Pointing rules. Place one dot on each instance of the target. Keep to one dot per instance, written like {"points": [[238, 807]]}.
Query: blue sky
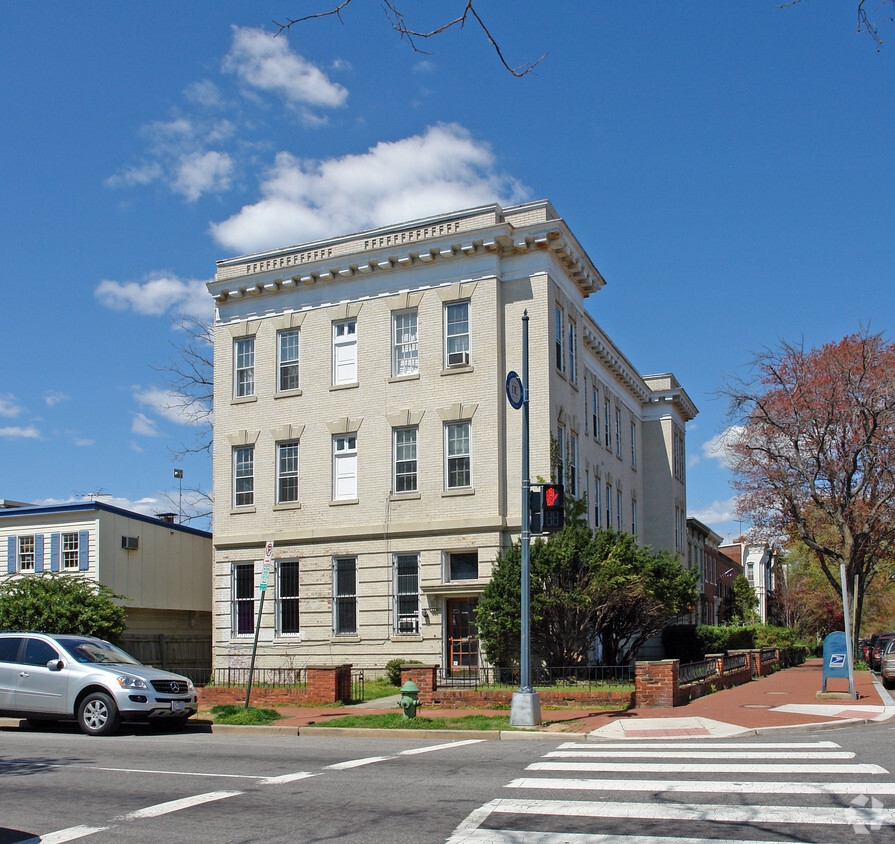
{"points": [[728, 167]]}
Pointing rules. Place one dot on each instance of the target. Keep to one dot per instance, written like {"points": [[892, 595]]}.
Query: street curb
{"points": [[369, 732], [248, 729]]}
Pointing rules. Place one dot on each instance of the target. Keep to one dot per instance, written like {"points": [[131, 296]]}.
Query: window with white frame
{"points": [[633, 446], [344, 467], [243, 476], [461, 565], [287, 360], [457, 455], [607, 426], [456, 334], [573, 464], [26, 553], [618, 432], [634, 515], [608, 505], [345, 352], [287, 472], [560, 455], [598, 516], [70, 548], [618, 509], [406, 612], [405, 477], [287, 598], [243, 367], [405, 344], [344, 596], [558, 334], [573, 342], [595, 412], [243, 600]]}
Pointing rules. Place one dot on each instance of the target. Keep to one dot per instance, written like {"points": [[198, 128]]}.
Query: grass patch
{"points": [[378, 688], [231, 713], [396, 720]]}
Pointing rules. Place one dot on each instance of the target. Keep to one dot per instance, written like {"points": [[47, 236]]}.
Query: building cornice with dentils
{"points": [[488, 229]]}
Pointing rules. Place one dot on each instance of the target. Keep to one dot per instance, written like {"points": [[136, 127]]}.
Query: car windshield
{"points": [[92, 650]]}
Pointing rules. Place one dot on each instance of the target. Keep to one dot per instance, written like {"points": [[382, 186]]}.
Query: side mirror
{"points": [[55, 665]]}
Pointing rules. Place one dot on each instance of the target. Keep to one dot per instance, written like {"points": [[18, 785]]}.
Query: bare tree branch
{"points": [[397, 20]]}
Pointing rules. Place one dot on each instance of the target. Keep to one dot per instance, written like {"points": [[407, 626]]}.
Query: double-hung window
{"points": [[595, 412], [287, 360], [243, 367], [244, 476], [405, 344], [26, 553], [573, 342], [607, 426], [618, 508], [558, 333], [597, 514], [243, 605], [70, 547], [560, 455], [634, 516], [344, 596], [573, 465], [608, 506], [344, 467], [345, 352], [287, 473], [457, 456], [405, 460], [633, 446], [618, 432], [456, 334], [287, 597], [407, 595]]}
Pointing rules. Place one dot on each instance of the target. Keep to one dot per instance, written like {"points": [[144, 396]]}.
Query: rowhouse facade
{"points": [[362, 426]]}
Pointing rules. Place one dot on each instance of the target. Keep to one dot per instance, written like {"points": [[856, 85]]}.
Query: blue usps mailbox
{"points": [[835, 657]]}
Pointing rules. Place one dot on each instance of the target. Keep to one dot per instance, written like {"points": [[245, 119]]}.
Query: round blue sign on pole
{"points": [[514, 390]]}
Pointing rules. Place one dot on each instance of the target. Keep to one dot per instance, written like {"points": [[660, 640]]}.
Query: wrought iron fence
{"points": [[768, 654], [273, 677], [732, 662], [692, 672], [357, 685], [576, 676]]}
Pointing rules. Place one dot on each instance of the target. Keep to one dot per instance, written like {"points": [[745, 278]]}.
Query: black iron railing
{"points": [[357, 685], [733, 662], [573, 677], [273, 677], [692, 672]]}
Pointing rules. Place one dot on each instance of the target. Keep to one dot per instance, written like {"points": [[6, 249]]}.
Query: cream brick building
{"points": [[361, 424]]}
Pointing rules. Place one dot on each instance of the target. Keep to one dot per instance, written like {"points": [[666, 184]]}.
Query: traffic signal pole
{"points": [[525, 708]]}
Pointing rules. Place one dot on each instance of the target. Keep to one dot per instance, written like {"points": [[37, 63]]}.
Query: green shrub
{"points": [[393, 669], [715, 639]]}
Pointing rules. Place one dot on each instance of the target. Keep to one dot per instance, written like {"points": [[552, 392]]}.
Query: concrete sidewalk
{"points": [[784, 700]]}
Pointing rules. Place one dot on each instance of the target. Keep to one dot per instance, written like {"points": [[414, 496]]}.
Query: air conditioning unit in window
{"points": [[130, 543], [458, 359]]}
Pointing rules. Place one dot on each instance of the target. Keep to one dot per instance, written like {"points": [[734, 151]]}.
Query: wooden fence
{"points": [[185, 654]]}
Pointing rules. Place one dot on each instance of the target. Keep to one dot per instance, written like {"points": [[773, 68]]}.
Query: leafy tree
{"points": [[813, 452], [740, 603], [60, 603], [585, 586]]}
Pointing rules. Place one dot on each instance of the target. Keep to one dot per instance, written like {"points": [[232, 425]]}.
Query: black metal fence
{"points": [[732, 662], [576, 676], [272, 677], [692, 672], [357, 685]]}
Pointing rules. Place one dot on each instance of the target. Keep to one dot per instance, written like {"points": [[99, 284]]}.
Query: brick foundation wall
{"points": [[325, 684]]}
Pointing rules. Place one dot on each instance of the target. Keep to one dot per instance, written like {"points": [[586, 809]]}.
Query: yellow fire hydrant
{"points": [[409, 703]]}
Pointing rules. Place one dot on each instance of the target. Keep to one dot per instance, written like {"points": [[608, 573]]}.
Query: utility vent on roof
{"points": [[130, 543]]}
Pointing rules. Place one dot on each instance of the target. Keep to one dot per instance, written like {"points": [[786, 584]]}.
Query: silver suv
{"points": [[52, 677]]}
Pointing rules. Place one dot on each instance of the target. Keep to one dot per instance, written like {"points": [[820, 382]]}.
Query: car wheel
{"points": [[98, 714]]}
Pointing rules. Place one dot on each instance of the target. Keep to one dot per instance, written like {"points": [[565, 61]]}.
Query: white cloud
{"points": [[158, 295], [440, 170], [167, 404], [17, 432], [717, 513], [138, 174], [204, 93], [144, 426], [9, 405], [718, 447], [203, 172], [83, 442], [54, 397], [268, 64]]}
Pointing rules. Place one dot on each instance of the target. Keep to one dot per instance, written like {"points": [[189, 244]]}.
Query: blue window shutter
{"points": [[11, 555], [83, 550], [39, 552], [54, 551]]}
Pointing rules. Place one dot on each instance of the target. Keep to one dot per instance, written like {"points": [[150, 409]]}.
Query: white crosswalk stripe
{"points": [[647, 797]]}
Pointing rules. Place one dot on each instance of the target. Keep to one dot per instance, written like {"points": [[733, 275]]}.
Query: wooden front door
{"points": [[463, 636]]}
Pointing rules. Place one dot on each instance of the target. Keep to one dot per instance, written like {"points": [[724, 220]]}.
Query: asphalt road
{"points": [[58, 785]]}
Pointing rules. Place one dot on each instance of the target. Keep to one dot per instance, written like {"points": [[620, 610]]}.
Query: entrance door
{"points": [[463, 637]]}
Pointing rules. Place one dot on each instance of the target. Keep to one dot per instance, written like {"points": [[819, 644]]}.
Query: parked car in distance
{"points": [[47, 677], [887, 665], [864, 650], [877, 650]]}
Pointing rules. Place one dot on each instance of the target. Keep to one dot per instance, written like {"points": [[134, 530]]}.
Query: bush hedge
{"points": [[691, 642]]}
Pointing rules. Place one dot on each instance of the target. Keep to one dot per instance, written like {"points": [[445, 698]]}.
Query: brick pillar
{"points": [[329, 683], [425, 677], [657, 684]]}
